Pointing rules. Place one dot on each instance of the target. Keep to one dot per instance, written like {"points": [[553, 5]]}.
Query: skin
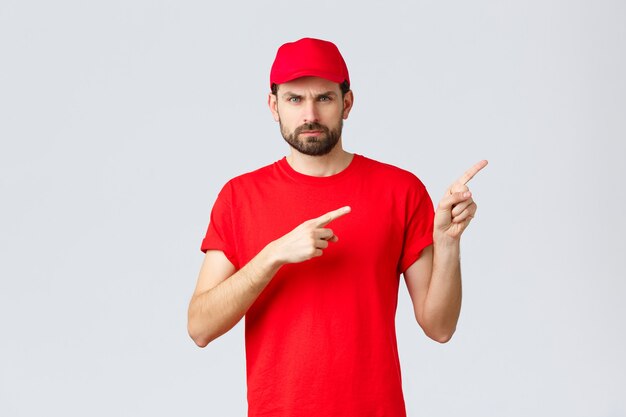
{"points": [[312, 99], [434, 280], [223, 295]]}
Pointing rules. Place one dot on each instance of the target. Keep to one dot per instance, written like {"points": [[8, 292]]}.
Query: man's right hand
{"points": [[308, 240], [223, 295]]}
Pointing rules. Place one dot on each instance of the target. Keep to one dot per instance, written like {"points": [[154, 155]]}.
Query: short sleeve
{"points": [[220, 232], [418, 232]]}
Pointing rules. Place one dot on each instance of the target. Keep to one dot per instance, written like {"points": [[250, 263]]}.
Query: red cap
{"points": [[308, 57]]}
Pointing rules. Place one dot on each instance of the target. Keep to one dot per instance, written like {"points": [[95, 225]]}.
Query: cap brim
{"points": [[310, 73]]}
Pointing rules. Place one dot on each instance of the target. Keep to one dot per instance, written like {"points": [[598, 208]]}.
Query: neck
{"points": [[320, 166]]}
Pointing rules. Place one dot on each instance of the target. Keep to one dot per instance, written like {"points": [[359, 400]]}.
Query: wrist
{"points": [[262, 268], [446, 251], [444, 241], [271, 256]]}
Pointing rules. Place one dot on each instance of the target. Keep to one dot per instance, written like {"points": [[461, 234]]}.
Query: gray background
{"points": [[121, 120]]}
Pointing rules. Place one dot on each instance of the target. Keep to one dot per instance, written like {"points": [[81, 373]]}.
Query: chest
{"points": [[373, 229]]}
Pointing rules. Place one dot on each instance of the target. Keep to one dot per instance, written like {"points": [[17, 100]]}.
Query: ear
{"points": [[348, 101], [272, 102]]}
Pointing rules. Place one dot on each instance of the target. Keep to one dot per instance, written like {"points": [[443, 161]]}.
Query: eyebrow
{"points": [[289, 94], [292, 94]]}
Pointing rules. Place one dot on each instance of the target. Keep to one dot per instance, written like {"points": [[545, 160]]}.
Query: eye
{"points": [[324, 98], [294, 99]]}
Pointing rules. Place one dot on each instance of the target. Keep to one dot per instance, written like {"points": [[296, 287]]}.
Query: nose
{"points": [[310, 112]]}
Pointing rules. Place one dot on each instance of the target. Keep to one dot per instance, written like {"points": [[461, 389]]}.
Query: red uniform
{"points": [[320, 338]]}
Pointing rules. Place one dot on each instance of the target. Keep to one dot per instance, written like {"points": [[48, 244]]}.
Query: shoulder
{"points": [[258, 175], [392, 175]]}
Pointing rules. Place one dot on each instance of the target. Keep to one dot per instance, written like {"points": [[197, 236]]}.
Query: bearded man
{"points": [[311, 248]]}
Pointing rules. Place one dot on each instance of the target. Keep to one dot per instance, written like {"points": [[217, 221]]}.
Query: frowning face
{"points": [[310, 111]]}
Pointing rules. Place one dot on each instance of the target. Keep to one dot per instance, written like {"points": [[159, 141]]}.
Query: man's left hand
{"points": [[457, 207]]}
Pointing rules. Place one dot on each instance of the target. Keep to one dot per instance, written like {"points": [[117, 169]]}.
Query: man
{"points": [[310, 249]]}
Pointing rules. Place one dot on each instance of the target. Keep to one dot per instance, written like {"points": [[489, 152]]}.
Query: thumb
{"points": [[447, 203]]}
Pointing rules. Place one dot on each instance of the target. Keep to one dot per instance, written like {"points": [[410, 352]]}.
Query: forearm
{"points": [[217, 310], [443, 301]]}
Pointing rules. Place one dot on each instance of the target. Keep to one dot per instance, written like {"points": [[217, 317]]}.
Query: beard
{"points": [[313, 145]]}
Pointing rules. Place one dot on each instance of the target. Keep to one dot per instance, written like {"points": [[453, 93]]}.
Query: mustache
{"points": [[311, 126]]}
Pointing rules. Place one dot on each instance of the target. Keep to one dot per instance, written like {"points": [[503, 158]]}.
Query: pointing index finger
{"points": [[469, 174], [324, 219]]}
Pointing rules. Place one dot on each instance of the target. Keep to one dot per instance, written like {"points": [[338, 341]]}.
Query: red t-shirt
{"points": [[321, 338]]}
